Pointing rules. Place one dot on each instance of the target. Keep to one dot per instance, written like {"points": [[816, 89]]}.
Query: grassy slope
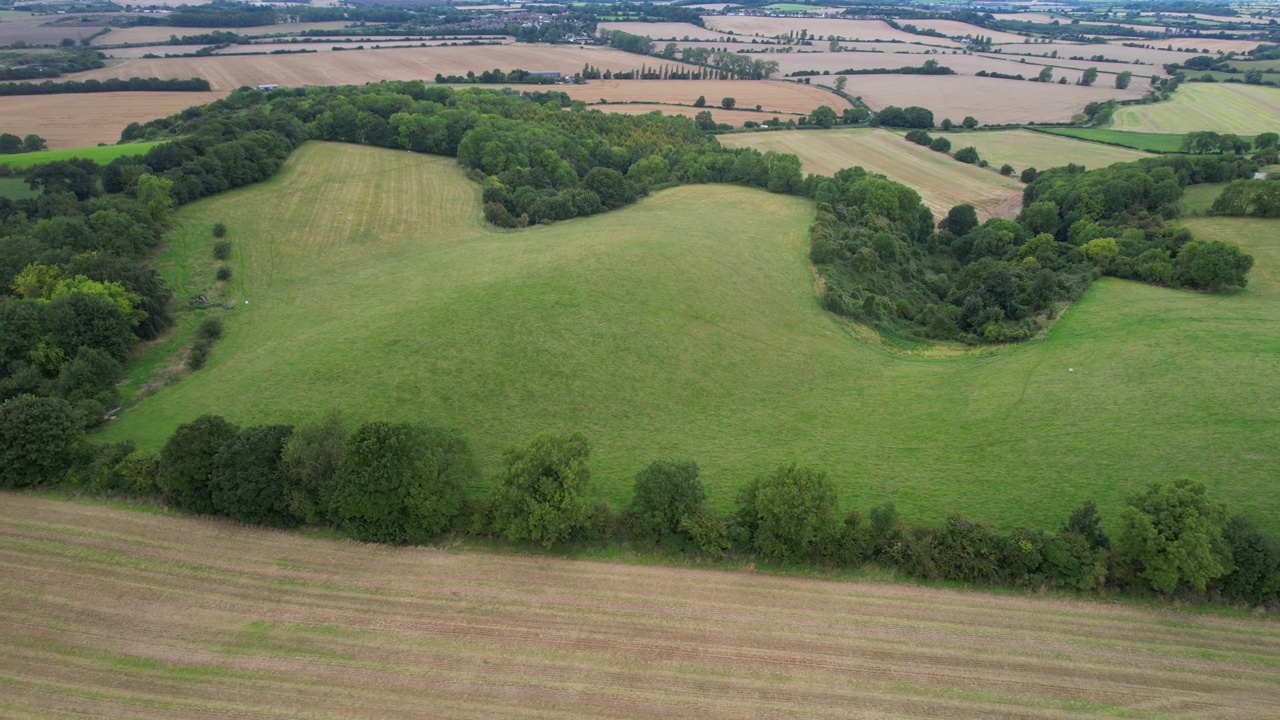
{"points": [[1154, 142], [1225, 108], [688, 327], [101, 154]]}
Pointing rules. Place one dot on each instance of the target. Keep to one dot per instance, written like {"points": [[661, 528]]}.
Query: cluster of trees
{"points": [[943, 145], [11, 144], [930, 67], [1204, 142], [495, 75], [908, 117], [407, 483], [108, 85], [44, 63], [1258, 198]]}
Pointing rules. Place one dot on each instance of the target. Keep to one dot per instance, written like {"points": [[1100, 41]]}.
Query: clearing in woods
{"points": [[1221, 107], [112, 612], [75, 120], [1024, 149], [357, 67], [688, 326], [941, 181]]}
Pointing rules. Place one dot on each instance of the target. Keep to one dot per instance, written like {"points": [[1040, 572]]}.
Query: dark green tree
{"points": [[728, 103], [1171, 537], [543, 488], [38, 437], [309, 463], [961, 220], [1212, 265], [790, 513], [665, 494], [1123, 79], [969, 122], [1088, 77], [187, 462], [247, 483], [1256, 557]]}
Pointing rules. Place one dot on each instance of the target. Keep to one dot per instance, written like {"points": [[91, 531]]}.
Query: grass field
{"points": [[1225, 108], [114, 613], [75, 120], [1023, 149], [688, 326], [16, 189], [1153, 142], [941, 181], [101, 154], [1198, 199]]}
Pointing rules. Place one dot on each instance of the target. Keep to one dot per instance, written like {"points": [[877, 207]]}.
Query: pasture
{"points": [[357, 67], [990, 100], [115, 613], [1024, 148], [1225, 108], [941, 181], [688, 326], [74, 120], [771, 95], [1152, 142], [101, 154]]}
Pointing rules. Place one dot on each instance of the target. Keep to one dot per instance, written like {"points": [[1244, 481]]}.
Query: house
{"points": [[268, 87]]}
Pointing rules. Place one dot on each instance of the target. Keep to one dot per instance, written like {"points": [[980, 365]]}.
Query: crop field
{"points": [[663, 30], [1153, 142], [941, 181], [990, 100], [75, 120], [771, 95], [951, 28], [688, 326], [820, 27], [733, 117], [357, 67], [161, 33], [1213, 45], [1024, 149], [109, 612], [1234, 108], [961, 64], [1127, 55], [45, 30], [101, 154]]}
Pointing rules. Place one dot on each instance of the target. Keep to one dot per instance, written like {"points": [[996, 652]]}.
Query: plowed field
{"points": [[114, 613]]}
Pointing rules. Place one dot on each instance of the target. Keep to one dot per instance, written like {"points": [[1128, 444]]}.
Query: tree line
{"points": [[407, 483], [109, 85]]}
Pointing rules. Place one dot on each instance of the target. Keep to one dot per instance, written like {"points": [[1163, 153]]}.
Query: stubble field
{"points": [[688, 327], [820, 27], [115, 613], [771, 95], [161, 33], [77, 120], [941, 181]]}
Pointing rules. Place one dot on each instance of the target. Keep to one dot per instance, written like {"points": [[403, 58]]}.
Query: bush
{"points": [[139, 470], [222, 250], [187, 462], [38, 438], [219, 231], [940, 144], [209, 329], [665, 493], [224, 273], [246, 483], [1028, 175], [967, 155], [541, 496], [1006, 169], [198, 355], [309, 464], [789, 513]]}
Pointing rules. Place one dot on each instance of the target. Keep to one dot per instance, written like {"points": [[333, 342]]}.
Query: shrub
{"points": [[541, 496], [222, 250], [665, 492], [1006, 169], [940, 144], [209, 329], [309, 464], [138, 471], [246, 483], [198, 355], [224, 273], [789, 513], [38, 436], [967, 155], [187, 461], [219, 230]]}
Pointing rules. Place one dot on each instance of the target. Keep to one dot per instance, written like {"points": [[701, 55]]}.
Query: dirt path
{"points": [[116, 613]]}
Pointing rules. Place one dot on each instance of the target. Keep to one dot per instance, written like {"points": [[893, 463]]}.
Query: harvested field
{"points": [[952, 28], [1114, 51], [77, 120], [1024, 148], [821, 27], [1212, 45], [961, 64], [990, 100], [663, 30], [161, 33], [114, 613], [720, 115], [771, 95], [357, 67], [1226, 108], [941, 181], [50, 30]]}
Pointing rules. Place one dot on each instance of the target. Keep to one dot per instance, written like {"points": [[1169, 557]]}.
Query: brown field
{"points": [[819, 48], [1213, 45], [1116, 51], [771, 95], [115, 613], [160, 33], [962, 64], [821, 27], [942, 182], [664, 30], [952, 28], [50, 30], [733, 117], [75, 120], [990, 100], [357, 67]]}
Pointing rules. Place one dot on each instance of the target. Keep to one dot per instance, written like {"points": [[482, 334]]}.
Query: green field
{"points": [[101, 154], [1221, 107], [1023, 149], [1151, 142], [16, 189], [1198, 199], [688, 326]]}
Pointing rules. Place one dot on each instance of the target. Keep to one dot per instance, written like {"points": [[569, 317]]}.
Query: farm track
{"points": [[110, 612]]}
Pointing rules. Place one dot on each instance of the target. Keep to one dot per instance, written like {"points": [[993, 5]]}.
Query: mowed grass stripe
{"points": [[336, 629], [688, 326]]}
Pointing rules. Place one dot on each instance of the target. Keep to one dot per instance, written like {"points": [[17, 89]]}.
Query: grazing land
{"points": [[941, 181], [990, 100], [357, 67], [109, 612], [771, 95], [687, 326], [1225, 108], [101, 154], [75, 120], [1024, 148], [1152, 142]]}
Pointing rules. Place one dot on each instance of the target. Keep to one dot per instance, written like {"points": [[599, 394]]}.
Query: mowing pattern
{"points": [[941, 181], [116, 613], [1225, 108]]}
